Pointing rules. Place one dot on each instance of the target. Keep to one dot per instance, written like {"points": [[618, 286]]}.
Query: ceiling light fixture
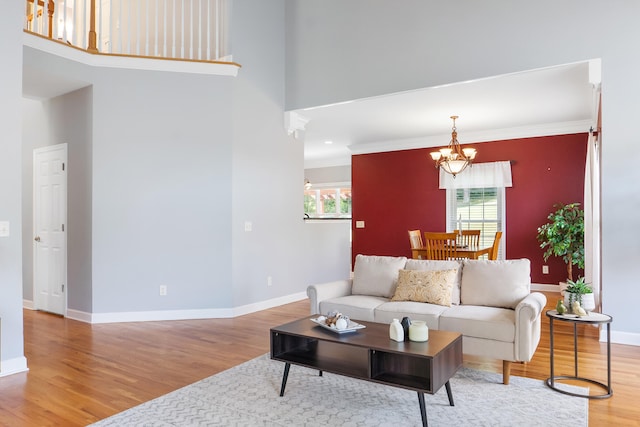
{"points": [[307, 184], [454, 159]]}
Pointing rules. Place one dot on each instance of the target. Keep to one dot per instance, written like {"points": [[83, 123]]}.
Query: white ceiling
{"points": [[547, 101]]}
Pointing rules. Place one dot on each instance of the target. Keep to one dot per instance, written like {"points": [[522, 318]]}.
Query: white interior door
{"points": [[49, 223]]}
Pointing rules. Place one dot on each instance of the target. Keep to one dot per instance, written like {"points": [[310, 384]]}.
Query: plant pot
{"points": [[587, 301], [563, 286]]}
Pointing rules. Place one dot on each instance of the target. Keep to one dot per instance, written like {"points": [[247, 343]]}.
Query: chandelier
{"points": [[453, 159]]}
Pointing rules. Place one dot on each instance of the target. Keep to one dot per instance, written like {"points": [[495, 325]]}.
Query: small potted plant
{"points": [[579, 291], [563, 236]]}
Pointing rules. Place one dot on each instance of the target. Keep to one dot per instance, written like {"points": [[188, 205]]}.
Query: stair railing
{"points": [[184, 29]]}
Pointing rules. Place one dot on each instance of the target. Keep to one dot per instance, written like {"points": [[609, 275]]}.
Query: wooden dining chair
{"points": [[496, 246], [440, 245], [417, 247], [470, 238]]}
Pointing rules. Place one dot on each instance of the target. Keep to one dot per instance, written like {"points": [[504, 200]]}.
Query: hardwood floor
{"points": [[80, 373]]}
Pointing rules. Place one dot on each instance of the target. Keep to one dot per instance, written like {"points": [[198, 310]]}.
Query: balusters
{"points": [[188, 29]]}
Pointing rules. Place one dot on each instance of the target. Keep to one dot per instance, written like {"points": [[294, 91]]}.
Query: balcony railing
{"points": [[193, 30]]}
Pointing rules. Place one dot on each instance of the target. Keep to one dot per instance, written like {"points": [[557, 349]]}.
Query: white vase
{"points": [[588, 301], [418, 331], [396, 332]]}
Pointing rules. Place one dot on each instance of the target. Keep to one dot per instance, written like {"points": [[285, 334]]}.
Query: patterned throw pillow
{"points": [[433, 287]]}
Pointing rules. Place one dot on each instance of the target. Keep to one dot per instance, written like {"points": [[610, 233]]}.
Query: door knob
{"points": [[37, 238]]}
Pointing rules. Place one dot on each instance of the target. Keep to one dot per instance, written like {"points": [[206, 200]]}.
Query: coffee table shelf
{"points": [[370, 355], [323, 356]]}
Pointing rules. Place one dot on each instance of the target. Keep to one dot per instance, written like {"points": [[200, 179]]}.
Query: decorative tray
{"points": [[351, 327]]}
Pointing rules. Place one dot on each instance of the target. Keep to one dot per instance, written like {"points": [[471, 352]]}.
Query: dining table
{"points": [[473, 252], [462, 251]]}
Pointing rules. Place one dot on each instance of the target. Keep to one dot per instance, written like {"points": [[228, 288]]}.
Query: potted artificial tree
{"points": [[563, 236]]}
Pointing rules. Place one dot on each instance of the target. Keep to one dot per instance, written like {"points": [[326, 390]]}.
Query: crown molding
{"points": [[342, 160], [549, 129]]}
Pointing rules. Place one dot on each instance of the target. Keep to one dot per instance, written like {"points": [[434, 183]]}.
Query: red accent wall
{"points": [[398, 191]]}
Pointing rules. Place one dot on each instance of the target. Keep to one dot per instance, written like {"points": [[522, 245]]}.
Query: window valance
{"points": [[479, 175]]}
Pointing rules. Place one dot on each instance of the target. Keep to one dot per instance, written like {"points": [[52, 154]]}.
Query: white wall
{"points": [[11, 335], [373, 47]]}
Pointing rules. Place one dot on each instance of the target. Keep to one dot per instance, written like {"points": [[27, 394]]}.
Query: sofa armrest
{"points": [[323, 291], [528, 323]]}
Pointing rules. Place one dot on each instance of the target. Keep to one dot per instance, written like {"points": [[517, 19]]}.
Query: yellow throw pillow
{"points": [[433, 287]]}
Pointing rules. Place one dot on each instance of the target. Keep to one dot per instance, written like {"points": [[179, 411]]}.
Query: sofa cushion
{"points": [[491, 323], [357, 307], [425, 286], [495, 283], [376, 275], [430, 313], [431, 265]]}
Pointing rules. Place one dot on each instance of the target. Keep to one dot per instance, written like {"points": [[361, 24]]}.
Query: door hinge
{"points": [[63, 166], [62, 227], [63, 287]]}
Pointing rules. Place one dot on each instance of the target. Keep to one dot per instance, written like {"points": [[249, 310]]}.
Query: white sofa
{"points": [[488, 302]]}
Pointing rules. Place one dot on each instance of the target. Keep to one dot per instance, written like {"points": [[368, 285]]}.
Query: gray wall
{"points": [[161, 191], [64, 119], [340, 50], [165, 169], [11, 344], [35, 133], [267, 164], [71, 122]]}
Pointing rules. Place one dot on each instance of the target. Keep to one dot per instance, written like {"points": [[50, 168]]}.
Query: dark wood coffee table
{"points": [[368, 354]]}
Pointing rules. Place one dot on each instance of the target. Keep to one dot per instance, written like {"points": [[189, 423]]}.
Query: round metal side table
{"points": [[592, 318]]}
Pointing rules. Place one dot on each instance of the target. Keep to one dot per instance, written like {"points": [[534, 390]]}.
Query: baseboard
{"points": [[619, 337], [209, 313], [13, 366], [263, 305], [81, 316], [28, 304], [545, 287], [154, 316]]}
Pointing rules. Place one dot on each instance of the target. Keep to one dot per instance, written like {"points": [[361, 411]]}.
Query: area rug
{"points": [[248, 395]]}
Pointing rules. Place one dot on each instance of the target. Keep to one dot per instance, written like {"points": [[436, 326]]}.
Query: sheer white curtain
{"points": [[592, 272], [479, 175]]}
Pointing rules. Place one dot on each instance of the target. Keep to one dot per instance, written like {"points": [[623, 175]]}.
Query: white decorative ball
{"points": [[341, 323]]}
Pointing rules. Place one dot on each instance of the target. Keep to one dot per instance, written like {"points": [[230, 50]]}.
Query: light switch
{"points": [[247, 226], [359, 224], [4, 228]]}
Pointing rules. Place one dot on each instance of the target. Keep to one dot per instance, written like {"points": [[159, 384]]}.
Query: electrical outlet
{"points": [[269, 281], [545, 269], [4, 229], [163, 290]]}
